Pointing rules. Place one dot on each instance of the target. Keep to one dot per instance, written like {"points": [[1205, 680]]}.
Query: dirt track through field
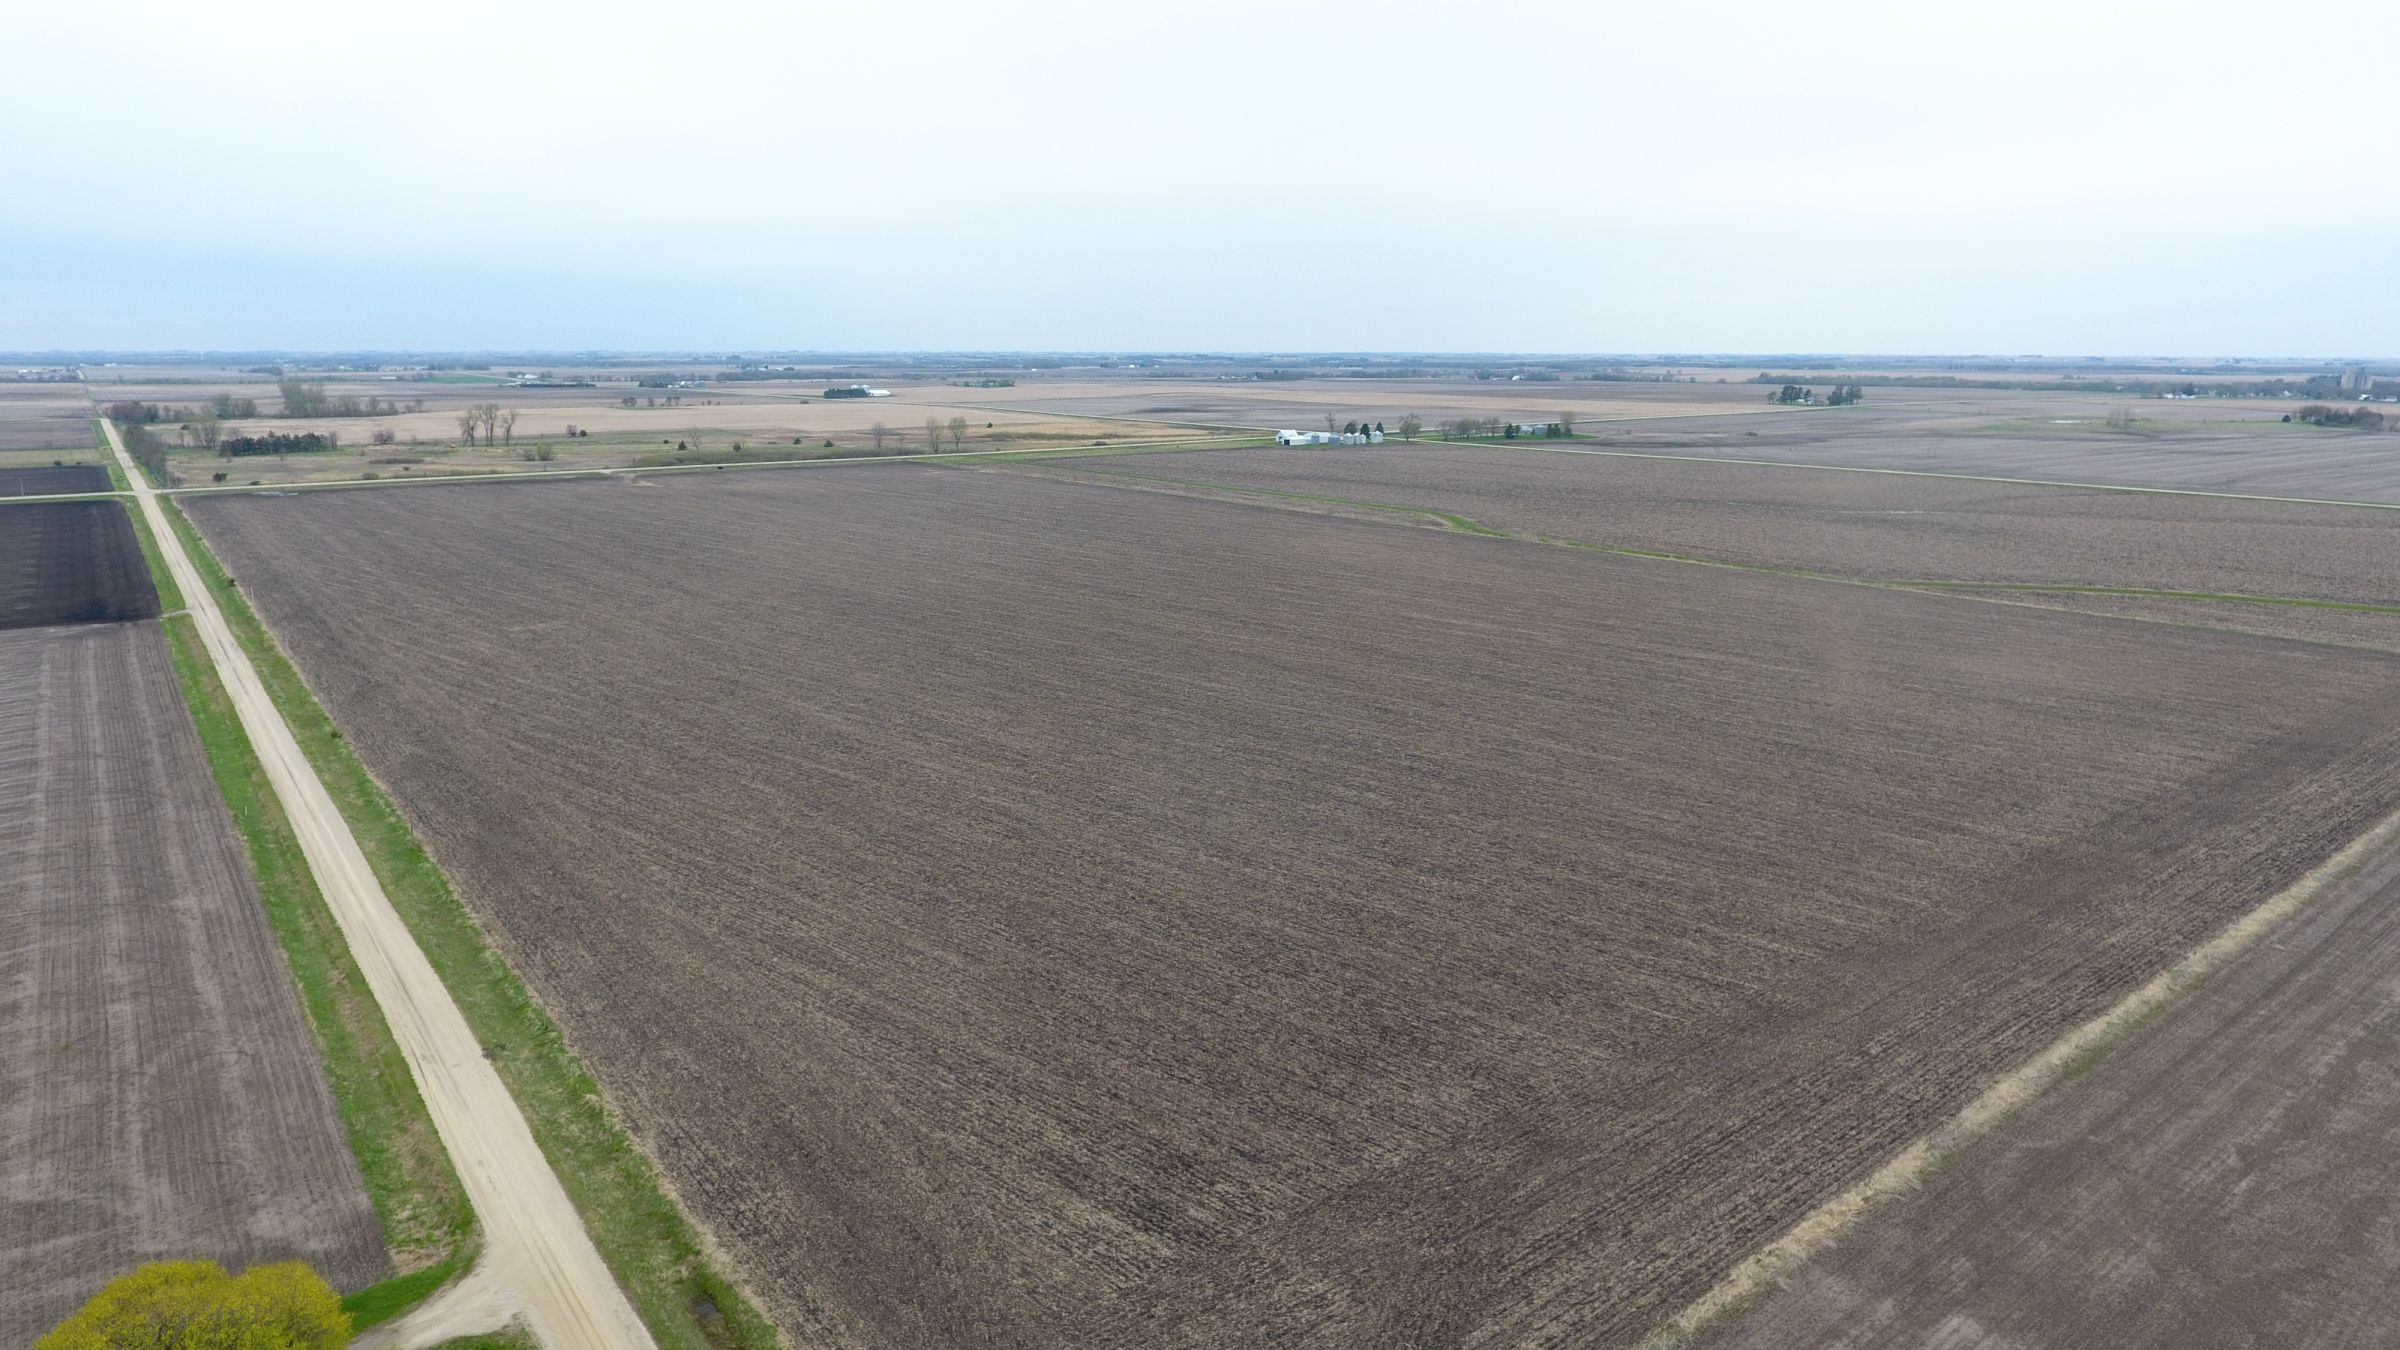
{"points": [[1024, 914], [534, 1243], [160, 1096], [2224, 1180]]}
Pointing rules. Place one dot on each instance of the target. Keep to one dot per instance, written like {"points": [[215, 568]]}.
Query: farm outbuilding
{"points": [[1329, 438]]}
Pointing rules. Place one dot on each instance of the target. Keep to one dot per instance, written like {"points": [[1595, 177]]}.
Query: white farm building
{"points": [[1328, 438]]}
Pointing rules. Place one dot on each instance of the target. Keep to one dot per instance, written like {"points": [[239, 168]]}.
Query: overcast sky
{"points": [[2091, 177]]}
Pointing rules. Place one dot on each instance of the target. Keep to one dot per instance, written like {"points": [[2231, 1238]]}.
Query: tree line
{"points": [[278, 443], [2325, 415], [307, 398]]}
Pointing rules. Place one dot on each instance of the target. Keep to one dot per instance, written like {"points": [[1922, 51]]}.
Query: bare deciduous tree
{"points": [[1566, 424], [878, 433], [466, 424], [933, 435], [508, 426], [958, 433], [1410, 426], [489, 415]]}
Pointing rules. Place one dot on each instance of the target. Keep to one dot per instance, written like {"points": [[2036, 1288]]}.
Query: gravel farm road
{"points": [[538, 1262]]}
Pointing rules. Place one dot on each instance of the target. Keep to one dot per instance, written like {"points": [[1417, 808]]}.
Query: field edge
{"points": [[2063, 1061], [428, 1227], [674, 1274]]}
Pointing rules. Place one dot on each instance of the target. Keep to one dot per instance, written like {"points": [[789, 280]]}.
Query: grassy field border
{"points": [[680, 1287], [427, 1223]]}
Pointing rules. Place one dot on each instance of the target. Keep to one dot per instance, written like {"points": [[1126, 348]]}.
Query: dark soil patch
{"points": [[71, 562], [53, 480]]}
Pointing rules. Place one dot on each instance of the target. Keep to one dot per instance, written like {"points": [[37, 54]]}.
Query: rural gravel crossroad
{"points": [[538, 1261]]}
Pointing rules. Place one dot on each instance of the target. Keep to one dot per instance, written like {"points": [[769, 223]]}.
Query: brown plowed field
{"points": [[160, 1096], [46, 480], [71, 562], [2234, 446], [1021, 913], [1852, 524], [2223, 1182]]}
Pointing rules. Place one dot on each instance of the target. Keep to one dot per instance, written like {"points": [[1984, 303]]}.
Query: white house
{"points": [[1329, 438]]}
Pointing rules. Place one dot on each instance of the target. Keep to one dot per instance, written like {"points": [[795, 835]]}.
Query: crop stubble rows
{"points": [[160, 1097], [48, 479], [70, 562], [1854, 524], [1019, 913], [2224, 1181]]}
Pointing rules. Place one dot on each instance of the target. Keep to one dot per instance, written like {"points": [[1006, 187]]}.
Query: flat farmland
{"points": [[2223, 1181], [1022, 913], [1864, 525], [160, 1097], [1304, 403], [2208, 445], [49, 479], [70, 562], [44, 416], [429, 442]]}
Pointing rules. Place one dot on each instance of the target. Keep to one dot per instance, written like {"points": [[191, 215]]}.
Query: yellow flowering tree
{"points": [[195, 1305]]}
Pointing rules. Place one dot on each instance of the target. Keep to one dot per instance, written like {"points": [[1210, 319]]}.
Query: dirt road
{"points": [[535, 1246]]}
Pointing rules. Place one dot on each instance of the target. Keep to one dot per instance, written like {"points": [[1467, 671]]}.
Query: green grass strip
{"points": [[170, 595], [652, 1249], [2155, 593], [422, 1209], [427, 1223]]}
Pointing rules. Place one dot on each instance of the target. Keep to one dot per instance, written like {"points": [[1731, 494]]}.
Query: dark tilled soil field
{"points": [[51, 479], [1869, 525], [2223, 1181], [160, 1096], [2229, 446], [1024, 913], [71, 562]]}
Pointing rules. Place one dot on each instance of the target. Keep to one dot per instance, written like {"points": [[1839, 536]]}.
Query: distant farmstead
{"points": [[1370, 437], [857, 391]]}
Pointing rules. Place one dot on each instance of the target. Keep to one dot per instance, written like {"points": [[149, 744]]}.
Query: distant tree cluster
{"points": [[2326, 415], [498, 423], [308, 398], [278, 443], [1842, 394]]}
